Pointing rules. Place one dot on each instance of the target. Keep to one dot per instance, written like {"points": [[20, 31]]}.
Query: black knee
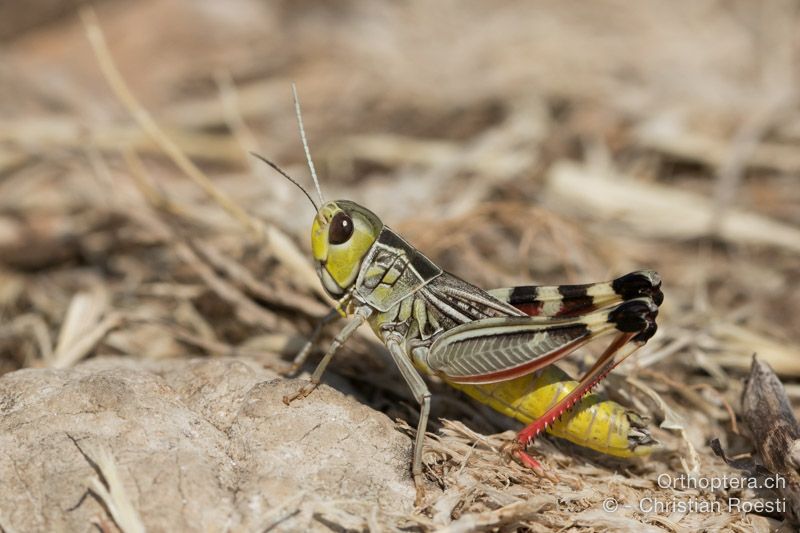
{"points": [[636, 316]]}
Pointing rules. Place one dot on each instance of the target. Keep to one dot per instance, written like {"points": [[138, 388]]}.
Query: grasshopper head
{"points": [[342, 234]]}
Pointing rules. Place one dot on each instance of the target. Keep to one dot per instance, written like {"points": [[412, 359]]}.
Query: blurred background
{"points": [[513, 142]]}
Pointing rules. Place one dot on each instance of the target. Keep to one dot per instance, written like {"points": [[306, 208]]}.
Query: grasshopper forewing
{"points": [[435, 323]]}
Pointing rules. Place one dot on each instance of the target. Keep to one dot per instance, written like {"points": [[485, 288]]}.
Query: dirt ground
{"points": [[512, 142]]}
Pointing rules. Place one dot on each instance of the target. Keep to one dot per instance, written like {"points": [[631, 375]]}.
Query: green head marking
{"points": [[341, 235]]}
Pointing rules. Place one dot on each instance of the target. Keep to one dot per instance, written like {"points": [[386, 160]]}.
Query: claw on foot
{"points": [[516, 451], [301, 393]]}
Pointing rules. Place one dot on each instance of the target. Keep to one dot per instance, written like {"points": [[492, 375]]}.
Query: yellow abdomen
{"points": [[601, 425]]}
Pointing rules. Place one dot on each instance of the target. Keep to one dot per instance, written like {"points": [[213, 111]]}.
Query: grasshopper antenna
{"points": [[305, 143], [280, 171]]}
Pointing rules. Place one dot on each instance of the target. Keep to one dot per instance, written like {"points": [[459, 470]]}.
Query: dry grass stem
{"points": [[86, 323], [108, 486], [282, 246], [149, 125], [662, 211]]}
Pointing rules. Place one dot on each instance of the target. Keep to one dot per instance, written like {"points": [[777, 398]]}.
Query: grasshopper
{"points": [[493, 344]]}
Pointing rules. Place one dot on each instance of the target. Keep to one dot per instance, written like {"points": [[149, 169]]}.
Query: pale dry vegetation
{"points": [[512, 142]]}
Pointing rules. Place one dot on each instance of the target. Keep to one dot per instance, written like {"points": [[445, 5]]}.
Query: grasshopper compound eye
{"points": [[341, 228]]}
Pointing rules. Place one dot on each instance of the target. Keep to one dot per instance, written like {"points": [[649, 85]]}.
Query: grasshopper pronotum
{"points": [[486, 343]]}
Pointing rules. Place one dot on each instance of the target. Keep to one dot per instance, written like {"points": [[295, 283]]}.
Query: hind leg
{"points": [[635, 322]]}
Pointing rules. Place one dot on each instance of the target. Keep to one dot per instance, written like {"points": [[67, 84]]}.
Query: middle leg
{"points": [[423, 396]]}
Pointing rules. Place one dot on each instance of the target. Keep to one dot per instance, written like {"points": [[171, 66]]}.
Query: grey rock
{"points": [[199, 445]]}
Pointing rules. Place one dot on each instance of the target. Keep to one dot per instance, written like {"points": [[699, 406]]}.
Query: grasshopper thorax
{"points": [[342, 234]]}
